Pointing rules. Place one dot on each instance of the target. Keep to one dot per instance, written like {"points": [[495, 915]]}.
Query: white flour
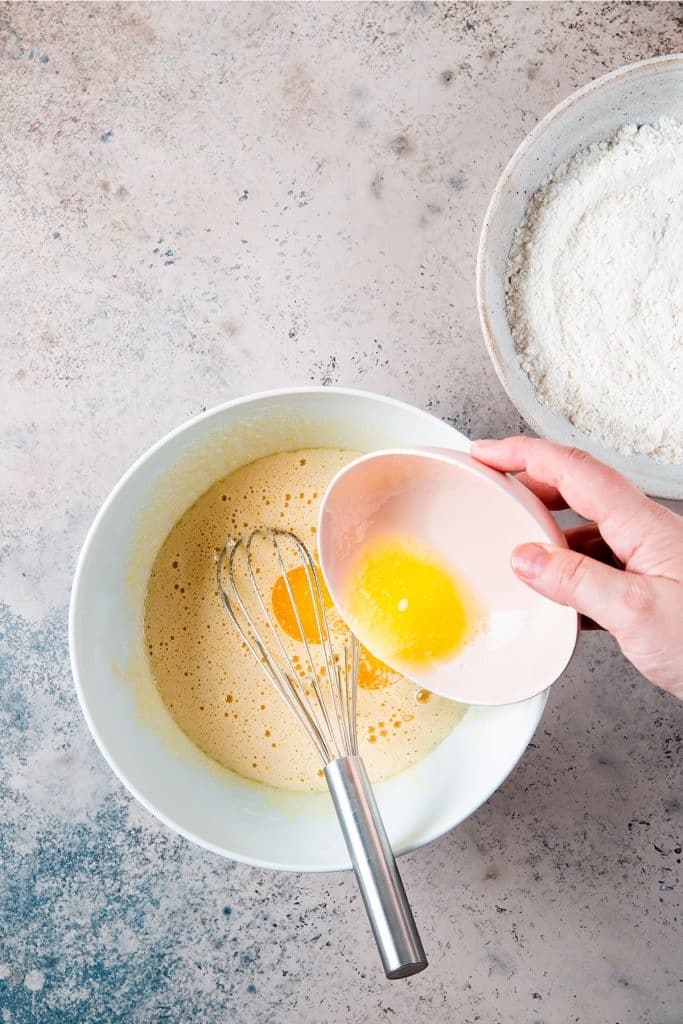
{"points": [[595, 290]]}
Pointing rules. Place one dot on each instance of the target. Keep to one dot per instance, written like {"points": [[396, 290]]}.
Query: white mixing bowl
{"points": [[150, 754]]}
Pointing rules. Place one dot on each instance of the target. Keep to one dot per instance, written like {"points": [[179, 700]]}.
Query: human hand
{"points": [[641, 604]]}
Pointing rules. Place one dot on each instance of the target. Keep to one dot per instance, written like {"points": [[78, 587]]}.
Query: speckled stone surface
{"points": [[197, 201]]}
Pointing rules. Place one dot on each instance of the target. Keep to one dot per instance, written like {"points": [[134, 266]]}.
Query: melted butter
{"points": [[412, 608], [298, 607]]}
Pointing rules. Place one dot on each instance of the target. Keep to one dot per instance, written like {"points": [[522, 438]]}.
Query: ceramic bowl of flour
{"points": [[640, 94]]}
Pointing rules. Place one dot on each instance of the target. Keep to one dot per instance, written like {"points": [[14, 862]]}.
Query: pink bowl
{"points": [[473, 517]]}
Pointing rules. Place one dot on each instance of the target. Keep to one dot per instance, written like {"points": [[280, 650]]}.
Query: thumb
{"points": [[567, 577]]}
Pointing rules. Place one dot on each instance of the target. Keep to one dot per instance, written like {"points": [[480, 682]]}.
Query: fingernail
{"points": [[484, 444], [529, 560]]}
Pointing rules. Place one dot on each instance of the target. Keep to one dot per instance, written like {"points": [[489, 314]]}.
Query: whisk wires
{"points": [[326, 712]]}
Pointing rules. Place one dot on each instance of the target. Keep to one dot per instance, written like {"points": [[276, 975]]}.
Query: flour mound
{"points": [[595, 290]]}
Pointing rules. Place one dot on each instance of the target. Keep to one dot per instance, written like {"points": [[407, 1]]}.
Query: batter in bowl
{"points": [[208, 680]]}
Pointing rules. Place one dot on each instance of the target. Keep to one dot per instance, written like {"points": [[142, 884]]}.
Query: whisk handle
{"points": [[380, 884]]}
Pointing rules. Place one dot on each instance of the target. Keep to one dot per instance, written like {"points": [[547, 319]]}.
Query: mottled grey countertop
{"points": [[201, 200]]}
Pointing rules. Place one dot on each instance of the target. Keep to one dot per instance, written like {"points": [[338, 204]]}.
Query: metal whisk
{"points": [[322, 692]]}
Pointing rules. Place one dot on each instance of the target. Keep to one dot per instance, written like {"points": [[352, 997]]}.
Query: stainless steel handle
{"points": [[380, 884]]}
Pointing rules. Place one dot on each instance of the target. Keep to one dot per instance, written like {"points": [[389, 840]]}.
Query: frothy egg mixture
{"points": [[210, 682]]}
